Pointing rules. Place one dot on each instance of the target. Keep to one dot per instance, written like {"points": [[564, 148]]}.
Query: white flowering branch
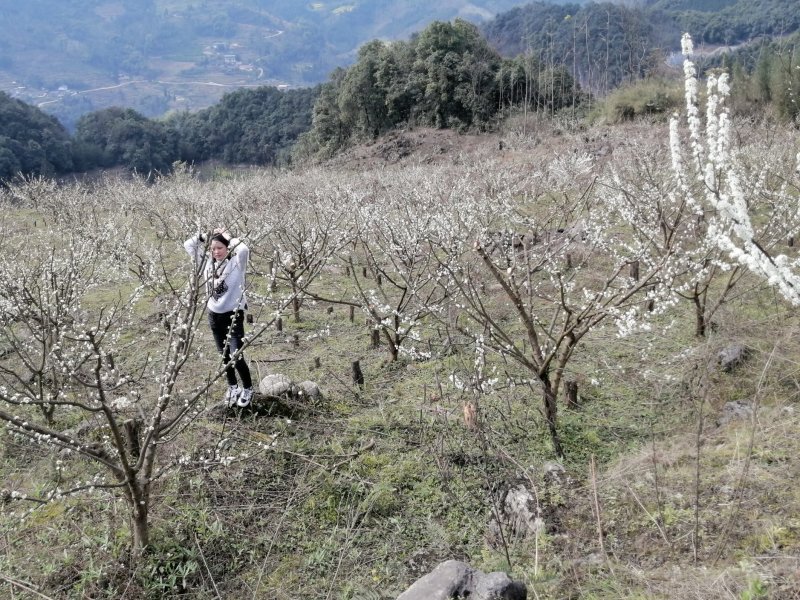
{"points": [[725, 196]]}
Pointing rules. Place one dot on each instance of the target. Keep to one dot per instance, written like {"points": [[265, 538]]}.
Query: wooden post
{"points": [[379, 279], [296, 340], [376, 338], [635, 270], [571, 392], [352, 313], [358, 376], [790, 242], [347, 271], [364, 271], [470, 416], [317, 362], [569, 260], [279, 324], [249, 318]]}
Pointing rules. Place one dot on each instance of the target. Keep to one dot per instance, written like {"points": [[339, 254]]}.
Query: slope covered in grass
{"points": [[677, 479]]}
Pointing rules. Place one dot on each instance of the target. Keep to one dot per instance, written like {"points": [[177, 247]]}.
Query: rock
{"points": [[554, 471], [276, 385], [309, 389], [520, 517], [735, 411], [520, 510], [732, 356], [456, 579], [451, 578], [499, 586]]}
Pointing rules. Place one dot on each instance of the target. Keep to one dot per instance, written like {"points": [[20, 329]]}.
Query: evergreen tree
{"points": [[31, 142]]}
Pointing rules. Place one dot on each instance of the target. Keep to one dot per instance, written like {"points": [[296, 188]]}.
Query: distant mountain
{"points": [[608, 43], [71, 57]]}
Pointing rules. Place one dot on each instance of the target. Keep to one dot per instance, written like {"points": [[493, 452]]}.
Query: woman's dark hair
{"points": [[218, 237]]}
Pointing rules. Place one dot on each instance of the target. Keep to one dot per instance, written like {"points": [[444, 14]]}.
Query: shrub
{"points": [[643, 98]]}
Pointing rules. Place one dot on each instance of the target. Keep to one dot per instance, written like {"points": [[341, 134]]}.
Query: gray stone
{"points": [[499, 586], [732, 356], [275, 385], [735, 411], [455, 579], [554, 471], [520, 510], [451, 578], [309, 389], [520, 514]]}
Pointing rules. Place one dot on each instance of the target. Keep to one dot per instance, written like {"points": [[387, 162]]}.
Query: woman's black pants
{"points": [[228, 330]]}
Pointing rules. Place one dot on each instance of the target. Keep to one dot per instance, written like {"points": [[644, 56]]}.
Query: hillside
{"points": [[161, 55]]}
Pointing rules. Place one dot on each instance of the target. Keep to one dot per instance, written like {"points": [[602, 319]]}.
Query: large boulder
{"points": [[455, 579], [275, 386], [281, 386]]}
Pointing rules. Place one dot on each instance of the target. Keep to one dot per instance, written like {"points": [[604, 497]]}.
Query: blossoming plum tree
{"points": [[747, 199], [75, 316], [537, 264]]}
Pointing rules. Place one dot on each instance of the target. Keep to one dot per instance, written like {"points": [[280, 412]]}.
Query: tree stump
{"points": [[571, 393], [358, 376], [635, 270]]}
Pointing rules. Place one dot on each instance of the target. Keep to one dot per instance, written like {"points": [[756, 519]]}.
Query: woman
{"points": [[224, 270]]}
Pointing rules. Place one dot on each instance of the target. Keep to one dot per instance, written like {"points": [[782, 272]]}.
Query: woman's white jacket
{"points": [[225, 280]]}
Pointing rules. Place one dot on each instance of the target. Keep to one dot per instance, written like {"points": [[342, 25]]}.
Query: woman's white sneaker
{"points": [[232, 395], [245, 396]]}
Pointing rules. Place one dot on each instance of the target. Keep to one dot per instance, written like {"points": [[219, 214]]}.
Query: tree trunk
{"points": [[551, 414], [699, 317], [140, 530], [295, 304]]}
